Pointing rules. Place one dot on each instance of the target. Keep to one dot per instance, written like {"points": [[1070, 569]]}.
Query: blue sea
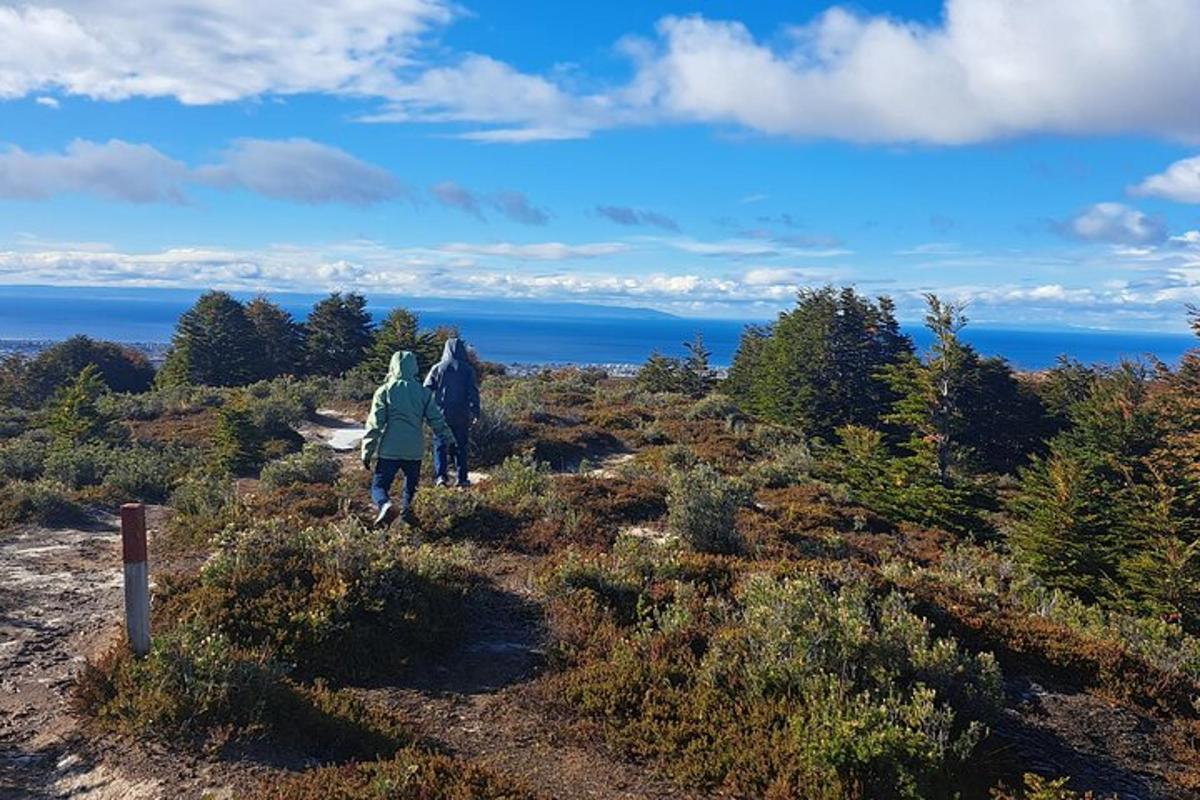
{"points": [[531, 333]]}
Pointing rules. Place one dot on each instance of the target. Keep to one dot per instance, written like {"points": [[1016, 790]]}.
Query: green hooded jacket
{"points": [[398, 409]]}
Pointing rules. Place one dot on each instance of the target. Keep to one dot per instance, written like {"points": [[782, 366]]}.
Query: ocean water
{"points": [[533, 333]]}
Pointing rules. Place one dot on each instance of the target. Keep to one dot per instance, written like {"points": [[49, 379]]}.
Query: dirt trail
{"points": [[484, 701]]}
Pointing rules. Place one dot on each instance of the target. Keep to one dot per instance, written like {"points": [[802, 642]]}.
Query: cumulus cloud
{"points": [[624, 215], [302, 171], [48, 102], [1180, 182], [209, 51], [117, 170], [1115, 223], [988, 70], [538, 251], [298, 170]]}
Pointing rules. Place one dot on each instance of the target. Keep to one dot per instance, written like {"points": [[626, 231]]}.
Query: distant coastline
{"points": [[526, 335]]}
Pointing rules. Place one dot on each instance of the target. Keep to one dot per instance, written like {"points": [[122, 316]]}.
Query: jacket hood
{"points": [[454, 350], [403, 367]]}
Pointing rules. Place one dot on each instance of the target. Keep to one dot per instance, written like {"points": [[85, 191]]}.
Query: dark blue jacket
{"points": [[452, 381]]}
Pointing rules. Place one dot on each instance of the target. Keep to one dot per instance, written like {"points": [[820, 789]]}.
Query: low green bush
{"points": [[702, 510], [195, 684], [335, 601], [442, 511], [809, 685], [714, 406], [23, 459], [201, 494], [493, 436], [44, 502], [522, 483], [314, 464]]}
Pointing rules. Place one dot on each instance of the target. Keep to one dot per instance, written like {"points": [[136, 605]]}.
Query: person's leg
{"points": [[441, 459], [381, 480], [461, 431], [412, 476]]}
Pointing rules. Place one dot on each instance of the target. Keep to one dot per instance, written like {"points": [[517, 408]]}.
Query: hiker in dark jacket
{"points": [[453, 383], [393, 436]]}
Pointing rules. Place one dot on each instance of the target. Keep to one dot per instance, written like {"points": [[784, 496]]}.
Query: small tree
{"points": [[702, 510], [337, 334], [237, 442], [660, 373], [75, 418], [695, 373]]}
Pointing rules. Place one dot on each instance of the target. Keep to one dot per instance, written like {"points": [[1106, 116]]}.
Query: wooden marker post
{"points": [[137, 577]]}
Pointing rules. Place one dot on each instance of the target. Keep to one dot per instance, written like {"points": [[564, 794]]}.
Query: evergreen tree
{"points": [[278, 340], [337, 334], [75, 418], [400, 330], [695, 373], [1080, 513], [660, 373], [747, 360], [819, 368], [214, 344], [121, 369]]}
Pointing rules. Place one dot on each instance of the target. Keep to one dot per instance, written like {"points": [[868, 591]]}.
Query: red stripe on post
{"points": [[133, 533]]}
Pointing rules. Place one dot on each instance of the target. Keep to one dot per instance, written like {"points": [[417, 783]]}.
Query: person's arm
{"points": [[431, 380], [433, 415], [473, 394], [376, 423]]}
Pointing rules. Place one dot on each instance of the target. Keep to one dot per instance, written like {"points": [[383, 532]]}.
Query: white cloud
{"points": [[48, 102], [117, 170], [539, 251], [298, 170], [1116, 223], [302, 171], [209, 51], [989, 70], [1180, 182]]}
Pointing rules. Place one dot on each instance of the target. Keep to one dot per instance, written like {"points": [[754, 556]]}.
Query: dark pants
{"points": [[443, 449], [385, 474]]}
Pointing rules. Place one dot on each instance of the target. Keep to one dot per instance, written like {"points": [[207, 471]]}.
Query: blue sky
{"points": [[1038, 160]]}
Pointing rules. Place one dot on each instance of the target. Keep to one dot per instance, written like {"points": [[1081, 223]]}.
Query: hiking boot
{"points": [[387, 513], [410, 519], [465, 484], [440, 482]]}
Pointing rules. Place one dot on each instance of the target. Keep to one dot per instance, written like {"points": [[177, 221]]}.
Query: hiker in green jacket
{"points": [[393, 434]]}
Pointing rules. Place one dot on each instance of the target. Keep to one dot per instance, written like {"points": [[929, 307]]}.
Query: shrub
{"points": [[788, 465], [78, 466], [714, 406], [43, 501], [801, 686], [333, 600], [702, 510], [201, 495], [192, 679], [195, 681], [314, 464], [23, 459], [442, 511], [493, 436], [145, 473], [521, 482]]}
